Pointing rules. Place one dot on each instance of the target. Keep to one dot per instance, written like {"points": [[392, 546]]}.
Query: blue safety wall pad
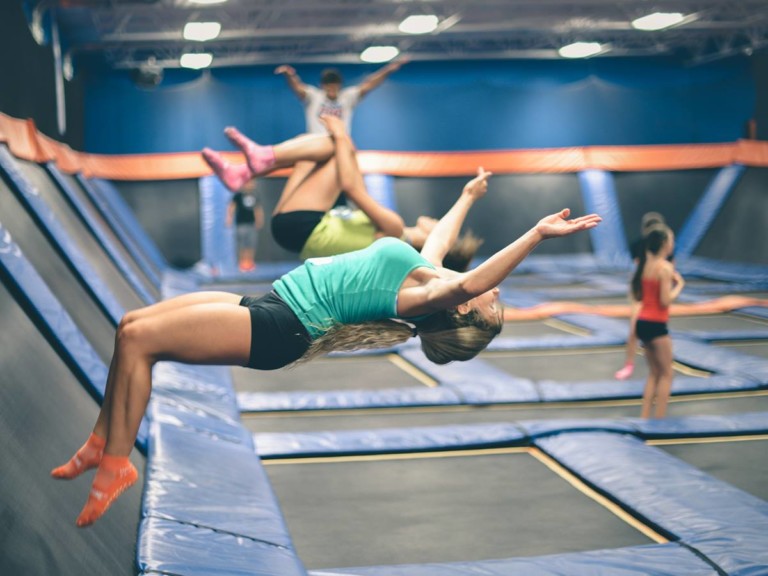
{"points": [[727, 526], [217, 240], [104, 240], [724, 271], [608, 240], [130, 243], [704, 213], [721, 360], [59, 325], [176, 548], [495, 434], [39, 209], [123, 213], [381, 187], [670, 559], [475, 381]]}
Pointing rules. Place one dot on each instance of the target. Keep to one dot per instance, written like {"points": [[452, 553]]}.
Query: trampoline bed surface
{"points": [[326, 374], [722, 322], [742, 462], [528, 329], [438, 507]]}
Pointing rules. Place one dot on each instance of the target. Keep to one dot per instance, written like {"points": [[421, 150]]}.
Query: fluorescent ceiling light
{"points": [[418, 24], [201, 31], [658, 21], [196, 60], [376, 54], [580, 50], [207, 1]]}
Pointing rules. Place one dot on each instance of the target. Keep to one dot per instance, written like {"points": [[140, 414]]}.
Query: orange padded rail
{"points": [[25, 141]]}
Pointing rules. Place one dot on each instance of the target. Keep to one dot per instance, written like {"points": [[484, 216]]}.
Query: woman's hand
{"points": [[334, 125], [556, 225], [478, 186]]}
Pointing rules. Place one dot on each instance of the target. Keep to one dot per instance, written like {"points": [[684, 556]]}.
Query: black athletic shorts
{"points": [[277, 336], [647, 330], [291, 229]]}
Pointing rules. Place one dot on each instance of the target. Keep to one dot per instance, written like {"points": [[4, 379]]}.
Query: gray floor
{"points": [[751, 347]]}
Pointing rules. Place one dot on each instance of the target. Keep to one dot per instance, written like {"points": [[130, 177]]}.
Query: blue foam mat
{"points": [[653, 560]]}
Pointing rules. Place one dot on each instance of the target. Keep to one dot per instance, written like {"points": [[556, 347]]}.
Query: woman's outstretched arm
{"points": [[445, 232], [444, 293]]}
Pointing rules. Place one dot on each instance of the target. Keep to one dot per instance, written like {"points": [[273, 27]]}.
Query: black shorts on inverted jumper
{"points": [[291, 229], [277, 336], [647, 330]]}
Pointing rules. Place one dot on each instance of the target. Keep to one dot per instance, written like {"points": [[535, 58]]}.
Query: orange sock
{"points": [[87, 457], [115, 475]]}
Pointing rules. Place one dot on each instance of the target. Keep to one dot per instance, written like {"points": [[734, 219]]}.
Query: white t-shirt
{"points": [[316, 103]]}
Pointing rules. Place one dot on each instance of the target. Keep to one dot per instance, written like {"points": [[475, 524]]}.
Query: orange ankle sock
{"points": [[87, 457], [115, 475]]}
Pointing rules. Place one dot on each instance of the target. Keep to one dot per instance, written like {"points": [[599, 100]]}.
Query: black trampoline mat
{"points": [[441, 509], [326, 374], [565, 365], [753, 348], [528, 329], [715, 322], [741, 463]]}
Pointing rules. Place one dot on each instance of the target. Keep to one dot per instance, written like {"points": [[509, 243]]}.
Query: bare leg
{"points": [[318, 190], [664, 356], [209, 333], [651, 383], [631, 347], [264, 159]]}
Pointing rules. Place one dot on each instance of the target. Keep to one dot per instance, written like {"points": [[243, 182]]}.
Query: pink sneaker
{"points": [[259, 158], [625, 372], [234, 176]]}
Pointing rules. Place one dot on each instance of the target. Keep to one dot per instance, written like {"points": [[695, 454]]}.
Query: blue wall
{"points": [[436, 106]]}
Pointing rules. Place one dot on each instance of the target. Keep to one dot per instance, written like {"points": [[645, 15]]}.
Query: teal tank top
{"points": [[355, 287]]}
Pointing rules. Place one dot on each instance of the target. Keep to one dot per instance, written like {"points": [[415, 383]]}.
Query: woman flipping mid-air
{"points": [[656, 284], [305, 220], [376, 297]]}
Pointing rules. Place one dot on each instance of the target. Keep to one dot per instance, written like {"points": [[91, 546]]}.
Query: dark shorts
{"points": [[647, 331], [291, 229], [277, 336]]}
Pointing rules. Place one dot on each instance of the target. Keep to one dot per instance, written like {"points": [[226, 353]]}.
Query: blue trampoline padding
{"points": [[86, 362], [727, 525], [713, 335], [128, 241], [475, 381], [342, 399], [554, 264], [173, 386], [598, 324], [96, 229], [690, 426], [389, 440], [757, 311], [209, 481], [608, 239], [654, 560], [182, 416], [36, 205], [721, 360], [508, 343], [559, 391], [724, 271], [124, 214], [541, 428], [168, 547], [705, 211]]}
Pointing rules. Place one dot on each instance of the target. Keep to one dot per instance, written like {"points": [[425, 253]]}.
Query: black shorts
{"points": [[291, 229], [647, 330], [277, 336]]}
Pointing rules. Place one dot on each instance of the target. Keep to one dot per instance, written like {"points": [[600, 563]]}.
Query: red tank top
{"points": [[652, 309]]}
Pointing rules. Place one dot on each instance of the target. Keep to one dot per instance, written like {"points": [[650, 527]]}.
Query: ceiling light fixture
{"points": [[580, 50], [418, 24], [196, 60], [201, 31], [206, 2], [657, 21], [377, 54]]}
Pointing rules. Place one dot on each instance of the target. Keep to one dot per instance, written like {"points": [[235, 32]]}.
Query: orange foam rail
{"points": [[26, 142]]}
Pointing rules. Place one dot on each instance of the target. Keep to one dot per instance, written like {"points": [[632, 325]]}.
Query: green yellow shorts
{"points": [[339, 231]]}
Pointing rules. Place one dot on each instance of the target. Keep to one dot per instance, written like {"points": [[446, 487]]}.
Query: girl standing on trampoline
{"points": [[656, 284], [305, 220]]}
